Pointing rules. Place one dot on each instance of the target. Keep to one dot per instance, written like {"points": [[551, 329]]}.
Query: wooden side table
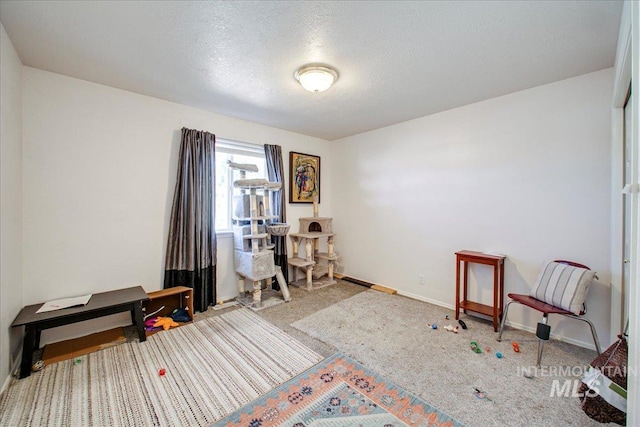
{"points": [[497, 261]]}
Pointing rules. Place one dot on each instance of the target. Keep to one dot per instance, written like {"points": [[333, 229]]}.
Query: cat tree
{"points": [[253, 251], [316, 264]]}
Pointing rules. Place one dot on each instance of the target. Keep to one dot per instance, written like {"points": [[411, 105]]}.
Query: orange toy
{"points": [[165, 322]]}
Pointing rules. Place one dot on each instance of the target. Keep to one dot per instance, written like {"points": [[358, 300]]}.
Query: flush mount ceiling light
{"points": [[316, 78]]}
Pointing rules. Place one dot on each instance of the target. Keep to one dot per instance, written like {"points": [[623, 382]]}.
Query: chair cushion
{"points": [[563, 286]]}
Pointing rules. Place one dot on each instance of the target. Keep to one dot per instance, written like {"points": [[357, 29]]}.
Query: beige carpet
{"points": [[389, 334], [212, 367]]}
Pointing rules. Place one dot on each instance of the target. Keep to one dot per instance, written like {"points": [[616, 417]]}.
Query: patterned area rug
{"points": [[212, 367], [338, 392]]}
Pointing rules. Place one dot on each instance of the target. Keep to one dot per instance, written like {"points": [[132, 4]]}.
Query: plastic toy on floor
{"points": [[475, 348], [450, 328], [38, 366], [516, 347], [482, 395]]}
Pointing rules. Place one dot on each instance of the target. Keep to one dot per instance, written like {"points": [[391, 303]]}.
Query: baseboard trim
{"points": [[384, 289], [423, 299], [514, 325], [358, 281], [6, 383], [225, 304], [15, 366], [562, 338]]}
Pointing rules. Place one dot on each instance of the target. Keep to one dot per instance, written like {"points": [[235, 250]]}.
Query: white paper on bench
{"points": [[59, 304]]}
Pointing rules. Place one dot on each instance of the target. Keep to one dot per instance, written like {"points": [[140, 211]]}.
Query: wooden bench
{"points": [[101, 304]]}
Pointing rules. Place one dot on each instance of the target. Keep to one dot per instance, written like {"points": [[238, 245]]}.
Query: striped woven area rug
{"points": [[212, 367]]}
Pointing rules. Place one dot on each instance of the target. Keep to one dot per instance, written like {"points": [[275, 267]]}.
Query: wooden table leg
{"points": [[457, 287], [466, 281], [27, 350], [496, 294], [36, 344], [138, 320], [501, 288]]}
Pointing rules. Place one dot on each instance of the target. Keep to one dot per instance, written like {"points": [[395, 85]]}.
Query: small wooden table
{"points": [[101, 304], [497, 261]]}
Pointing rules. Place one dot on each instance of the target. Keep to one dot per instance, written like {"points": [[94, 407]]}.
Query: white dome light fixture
{"points": [[316, 78]]}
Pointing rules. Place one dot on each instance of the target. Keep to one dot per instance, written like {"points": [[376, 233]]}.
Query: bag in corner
{"points": [[604, 385]]}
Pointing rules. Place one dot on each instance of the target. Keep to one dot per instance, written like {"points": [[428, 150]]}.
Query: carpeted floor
{"points": [[386, 333], [189, 376], [303, 304], [389, 334]]}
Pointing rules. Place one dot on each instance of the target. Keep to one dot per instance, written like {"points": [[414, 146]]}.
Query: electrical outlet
{"points": [[420, 279]]}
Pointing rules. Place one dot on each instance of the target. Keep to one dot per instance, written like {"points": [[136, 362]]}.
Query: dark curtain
{"points": [[191, 246], [275, 172]]}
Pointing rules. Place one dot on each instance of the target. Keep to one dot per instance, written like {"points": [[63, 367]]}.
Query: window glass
{"points": [[239, 153]]}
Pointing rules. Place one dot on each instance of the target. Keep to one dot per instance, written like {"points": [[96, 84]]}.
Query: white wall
{"points": [[11, 287], [527, 175], [99, 173]]}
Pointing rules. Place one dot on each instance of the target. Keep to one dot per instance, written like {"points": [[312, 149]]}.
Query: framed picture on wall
{"points": [[304, 182]]}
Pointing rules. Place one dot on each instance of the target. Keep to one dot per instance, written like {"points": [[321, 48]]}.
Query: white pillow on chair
{"points": [[563, 285]]}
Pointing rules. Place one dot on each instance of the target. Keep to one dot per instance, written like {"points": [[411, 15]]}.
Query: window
{"points": [[238, 152]]}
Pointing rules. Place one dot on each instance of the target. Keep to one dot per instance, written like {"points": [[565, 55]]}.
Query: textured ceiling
{"points": [[397, 60]]}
